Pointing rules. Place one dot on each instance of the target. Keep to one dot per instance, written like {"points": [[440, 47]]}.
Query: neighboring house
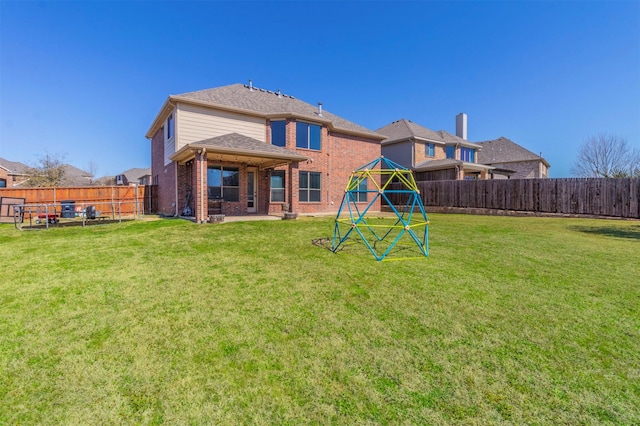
{"points": [[74, 176], [15, 174], [134, 176], [105, 181], [4, 176], [518, 162], [433, 155], [12, 173], [241, 150]]}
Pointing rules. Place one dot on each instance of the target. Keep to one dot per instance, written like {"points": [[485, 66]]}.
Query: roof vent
{"points": [[251, 85], [279, 93], [320, 109]]}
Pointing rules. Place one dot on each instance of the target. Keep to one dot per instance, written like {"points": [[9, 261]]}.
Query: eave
{"points": [[172, 101], [263, 160]]}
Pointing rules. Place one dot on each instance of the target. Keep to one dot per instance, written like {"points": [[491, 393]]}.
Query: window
{"points": [[278, 133], [429, 149], [223, 183], [170, 127], [450, 151], [360, 194], [307, 136], [277, 186], [467, 154], [3, 183], [309, 187]]}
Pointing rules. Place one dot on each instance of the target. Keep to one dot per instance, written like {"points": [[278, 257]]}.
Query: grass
{"points": [[509, 320]]}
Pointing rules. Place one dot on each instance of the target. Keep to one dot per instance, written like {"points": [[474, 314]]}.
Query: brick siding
{"points": [[163, 176]]}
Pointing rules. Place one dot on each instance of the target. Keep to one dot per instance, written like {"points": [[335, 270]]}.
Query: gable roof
{"points": [[453, 139], [404, 129], [135, 174], [13, 167], [237, 147], [74, 176], [259, 102], [503, 150], [449, 163]]}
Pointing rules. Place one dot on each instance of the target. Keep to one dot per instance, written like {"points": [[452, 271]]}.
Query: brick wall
{"points": [[524, 170], [340, 154], [5, 177], [163, 176], [420, 156]]}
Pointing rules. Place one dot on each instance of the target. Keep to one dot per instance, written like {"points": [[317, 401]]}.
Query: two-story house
{"points": [[241, 150], [433, 155], [12, 173], [135, 176]]}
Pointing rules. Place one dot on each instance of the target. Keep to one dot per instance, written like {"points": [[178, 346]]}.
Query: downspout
{"points": [[200, 193], [175, 149], [175, 176]]}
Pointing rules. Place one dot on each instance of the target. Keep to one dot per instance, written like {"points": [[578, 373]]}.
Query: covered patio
{"points": [[232, 175]]}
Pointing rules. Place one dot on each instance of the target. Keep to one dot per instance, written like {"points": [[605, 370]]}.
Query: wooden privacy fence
{"points": [[617, 197], [133, 199]]}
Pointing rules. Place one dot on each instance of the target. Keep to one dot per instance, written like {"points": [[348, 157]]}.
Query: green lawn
{"points": [[509, 320]]}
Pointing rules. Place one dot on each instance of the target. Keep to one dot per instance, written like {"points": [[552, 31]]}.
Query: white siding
{"points": [[194, 123], [400, 152], [169, 148]]}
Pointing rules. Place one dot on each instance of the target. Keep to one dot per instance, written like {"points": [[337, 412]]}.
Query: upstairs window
{"points": [[310, 188], [3, 183], [451, 151], [170, 126], [429, 150], [467, 155], [278, 133], [307, 136], [223, 183]]}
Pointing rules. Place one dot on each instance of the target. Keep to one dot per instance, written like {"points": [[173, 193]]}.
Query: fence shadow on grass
{"points": [[632, 233]]}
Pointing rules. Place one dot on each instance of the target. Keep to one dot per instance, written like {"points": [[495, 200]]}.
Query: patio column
{"points": [[293, 187], [200, 194]]}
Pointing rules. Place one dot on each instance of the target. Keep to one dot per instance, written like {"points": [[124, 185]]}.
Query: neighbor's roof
{"points": [[74, 176], [13, 167], [503, 150], [260, 102], [448, 163], [453, 139], [403, 129], [239, 148], [136, 173], [445, 163]]}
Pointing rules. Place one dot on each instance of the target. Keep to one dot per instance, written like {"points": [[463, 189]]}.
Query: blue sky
{"points": [[84, 80]]}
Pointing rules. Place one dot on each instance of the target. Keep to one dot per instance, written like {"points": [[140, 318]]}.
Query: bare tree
{"points": [[606, 155], [93, 170], [48, 171]]}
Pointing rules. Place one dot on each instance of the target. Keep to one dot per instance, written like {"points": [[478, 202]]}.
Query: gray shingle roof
{"points": [[133, 175], [237, 147], [245, 143], [268, 103], [503, 150], [13, 166], [453, 139], [445, 163], [405, 129]]}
